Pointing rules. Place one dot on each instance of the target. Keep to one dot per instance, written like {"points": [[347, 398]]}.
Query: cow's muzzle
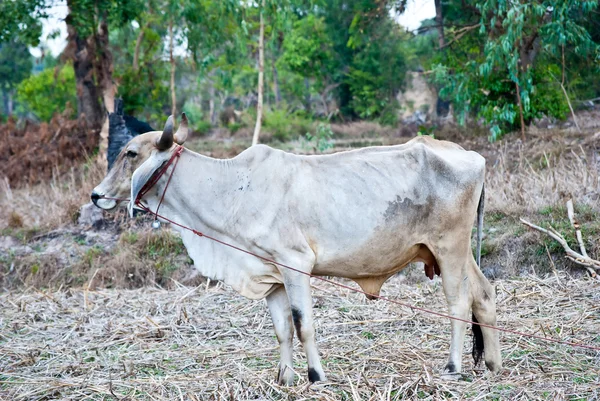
{"points": [[100, 201]]}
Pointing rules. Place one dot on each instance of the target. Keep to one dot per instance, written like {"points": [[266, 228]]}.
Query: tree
{"points": [[15, 66], [22, 19], [356, 52], [307, 52], [261, 75], [520, 46], [439, 20], [48, 92]]}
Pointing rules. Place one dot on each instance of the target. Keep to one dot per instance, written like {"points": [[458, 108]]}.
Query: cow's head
{"points": [[136, 163]]}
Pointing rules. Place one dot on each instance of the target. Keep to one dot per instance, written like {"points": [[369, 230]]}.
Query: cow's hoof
{"points": [[493, 366], [450, 372], [315, 376], [451, 376], [285, 377]]}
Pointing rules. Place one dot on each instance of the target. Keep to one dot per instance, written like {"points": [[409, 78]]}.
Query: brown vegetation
{"points": [[35, 152]]}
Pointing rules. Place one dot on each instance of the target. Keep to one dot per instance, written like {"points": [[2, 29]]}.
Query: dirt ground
{"points": [[208, 343]]}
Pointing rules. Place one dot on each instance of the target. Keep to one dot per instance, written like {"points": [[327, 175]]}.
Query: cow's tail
{"points": [[480, 224], [477, 341], [478, 345]]}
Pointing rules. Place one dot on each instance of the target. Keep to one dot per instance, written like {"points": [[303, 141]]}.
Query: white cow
{"points": [[363, 214]]}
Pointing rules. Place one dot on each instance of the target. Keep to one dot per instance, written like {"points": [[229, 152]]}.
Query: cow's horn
{"points": [[182, 131], [166, 139]]}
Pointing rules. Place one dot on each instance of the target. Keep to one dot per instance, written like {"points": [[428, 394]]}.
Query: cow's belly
{"points": [[368, 260]]}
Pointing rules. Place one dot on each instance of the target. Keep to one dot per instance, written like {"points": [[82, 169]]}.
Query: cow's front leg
{"points": [[297, 287], [281, 314]]}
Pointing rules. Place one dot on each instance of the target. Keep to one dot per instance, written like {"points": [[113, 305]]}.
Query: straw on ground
{"points": [[213, 344]]}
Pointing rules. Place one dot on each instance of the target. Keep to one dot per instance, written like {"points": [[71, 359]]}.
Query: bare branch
{"points": [[575, 224], [460, 33], [587, 262]]}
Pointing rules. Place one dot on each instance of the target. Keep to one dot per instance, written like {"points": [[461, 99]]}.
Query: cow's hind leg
{"points": [[456, 288], [281, 314], [297, 287], [484, 310]]}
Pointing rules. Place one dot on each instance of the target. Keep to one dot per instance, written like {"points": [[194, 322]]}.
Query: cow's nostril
{"points": [[95, 197]]}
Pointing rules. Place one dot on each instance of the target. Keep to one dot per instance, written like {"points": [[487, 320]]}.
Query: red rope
{"points": [[178, 152]]}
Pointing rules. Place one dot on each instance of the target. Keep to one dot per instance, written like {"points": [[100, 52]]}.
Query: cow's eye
{"points": [[131, 153]]}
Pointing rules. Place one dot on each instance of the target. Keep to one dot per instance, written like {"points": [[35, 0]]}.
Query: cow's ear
{"points": [[182, 131], [142, 174]]}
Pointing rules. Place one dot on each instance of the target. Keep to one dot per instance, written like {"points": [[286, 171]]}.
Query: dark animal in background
{"points": [[121, 128], [229, 116]]}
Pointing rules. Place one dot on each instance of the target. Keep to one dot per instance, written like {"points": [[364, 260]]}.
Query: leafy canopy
{"points": [[48, 92], [518, 44]]}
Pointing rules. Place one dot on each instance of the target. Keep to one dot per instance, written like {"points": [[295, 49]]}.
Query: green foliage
{"points": [[426, 131], [378, 67], [321, 139], [15, 63], [48, 92], [195, 116], [354, 47], [547, 96], [84, 15], [307, 50], [22, 18], [517, 45], [327, 59], [284, 125], [389, 115]]}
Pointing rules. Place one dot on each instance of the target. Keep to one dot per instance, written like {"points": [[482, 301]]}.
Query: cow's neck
{"points": [[203, 192]]}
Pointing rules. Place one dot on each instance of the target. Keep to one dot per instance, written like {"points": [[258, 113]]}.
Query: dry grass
{"points": [[546, 170], [127, 255], [209, 343], [52, 204], [363, 129]]}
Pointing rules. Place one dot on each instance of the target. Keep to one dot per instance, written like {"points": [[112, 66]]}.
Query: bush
{"points": [[321, 141], [284, 125], [196, 119], [548, 98], [48, 92], [389, 115]]}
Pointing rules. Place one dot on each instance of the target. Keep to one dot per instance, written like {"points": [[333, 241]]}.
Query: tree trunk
{"points": [[172, 59], [261, 75], [307, 96], [104, 71], [211, 103], [276, 88], [82, 52], [439, 20], [138, 46], [4, 102], [10, 103], [518, 88], [104, 66]]}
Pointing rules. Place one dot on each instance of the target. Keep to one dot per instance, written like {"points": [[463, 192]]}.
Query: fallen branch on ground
{"points": [[576, 227], [589, 263]]}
